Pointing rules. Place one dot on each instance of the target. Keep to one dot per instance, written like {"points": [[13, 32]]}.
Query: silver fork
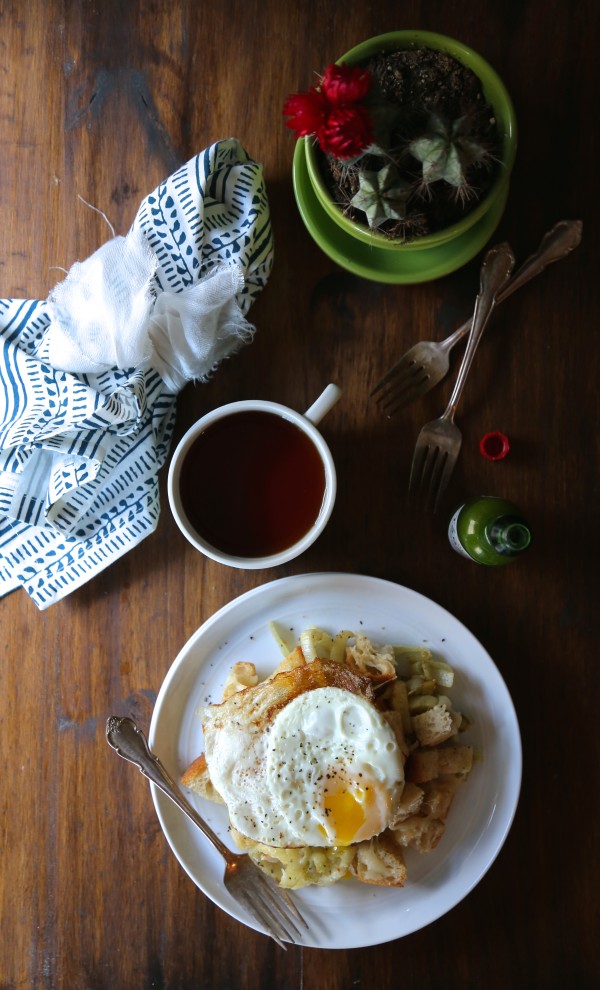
{"points": [[439, 442], [269, 905], [427, 362]]}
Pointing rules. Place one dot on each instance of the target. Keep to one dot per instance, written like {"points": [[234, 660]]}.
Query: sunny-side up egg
{"points": [[333, 767], [324, 769]]}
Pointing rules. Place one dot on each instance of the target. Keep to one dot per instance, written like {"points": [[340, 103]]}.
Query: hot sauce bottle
{"points": [[489, 530]]}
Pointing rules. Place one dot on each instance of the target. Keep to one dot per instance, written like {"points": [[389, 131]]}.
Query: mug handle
{"points": [[323, 404]]}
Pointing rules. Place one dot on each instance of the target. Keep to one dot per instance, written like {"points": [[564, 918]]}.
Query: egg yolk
{"points": [[347, 810]]}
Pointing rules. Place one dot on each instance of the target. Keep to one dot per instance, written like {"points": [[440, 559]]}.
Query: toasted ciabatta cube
{"points": [[438, 796], [197, 778], [427, 764], [380, 861], [434, 726], [410, 803], [419, 833]]}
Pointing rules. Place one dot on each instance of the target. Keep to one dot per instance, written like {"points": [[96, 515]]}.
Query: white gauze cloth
{"points": [[89, 376], [106, 314]]}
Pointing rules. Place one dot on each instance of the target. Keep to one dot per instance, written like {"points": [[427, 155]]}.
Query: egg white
{"points": [[325, 771], [334, 768]]}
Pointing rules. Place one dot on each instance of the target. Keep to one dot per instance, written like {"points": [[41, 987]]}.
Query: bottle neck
{"points": [[508, 535]]}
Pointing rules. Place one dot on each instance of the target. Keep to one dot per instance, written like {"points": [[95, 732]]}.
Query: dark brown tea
{"points": [[252, 484]]}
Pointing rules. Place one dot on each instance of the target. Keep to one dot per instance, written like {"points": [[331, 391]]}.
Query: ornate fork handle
{"points": [[128, 740], [495, 271], [556, 243]]}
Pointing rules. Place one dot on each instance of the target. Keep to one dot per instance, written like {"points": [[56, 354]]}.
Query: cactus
{"points": [[447, 152], [382, 195]]}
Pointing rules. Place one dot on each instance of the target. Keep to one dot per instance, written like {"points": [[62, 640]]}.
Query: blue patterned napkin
{"points": [[89, 377]]}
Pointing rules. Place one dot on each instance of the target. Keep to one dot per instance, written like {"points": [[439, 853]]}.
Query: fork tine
{"points": [[417, 468], [426, 467], [390, 375], [446, 474], [264, 898], [438, 468], [279, 899], [275, 908], [431, 470], [403, 374], [409, 388], [289, 902], [263, 912], [255, 909]]}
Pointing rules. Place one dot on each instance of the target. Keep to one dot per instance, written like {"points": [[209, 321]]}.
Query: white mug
{"points": [[192, 471]]}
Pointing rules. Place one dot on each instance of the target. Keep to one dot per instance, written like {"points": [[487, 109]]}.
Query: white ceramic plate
{"points": [[348, 914]]}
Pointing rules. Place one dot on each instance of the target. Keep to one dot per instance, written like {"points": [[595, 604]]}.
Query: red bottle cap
{"points": [[495, 446]]}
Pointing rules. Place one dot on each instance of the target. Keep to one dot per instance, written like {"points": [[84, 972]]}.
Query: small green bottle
{"points": [[489, 530]]}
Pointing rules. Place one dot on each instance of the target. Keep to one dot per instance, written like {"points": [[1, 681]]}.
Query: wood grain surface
{"points": [[103, 99]]}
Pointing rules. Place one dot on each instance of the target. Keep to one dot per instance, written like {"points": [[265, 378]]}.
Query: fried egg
{"points": [[333, 768], [305, 759]]}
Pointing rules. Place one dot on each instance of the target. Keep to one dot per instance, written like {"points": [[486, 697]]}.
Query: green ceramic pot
{"points": [[368, 253]]}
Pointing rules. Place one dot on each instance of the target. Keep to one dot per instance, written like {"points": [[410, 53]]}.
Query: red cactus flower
{"points": [[345, 84], [333, 113], [307, 112], [348, 131]]}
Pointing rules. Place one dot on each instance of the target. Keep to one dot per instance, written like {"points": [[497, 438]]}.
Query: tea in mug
{"points": [[252, 484]]}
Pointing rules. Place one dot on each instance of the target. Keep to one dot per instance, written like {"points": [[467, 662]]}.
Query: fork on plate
{"points": [[428, 362], [439, 442], [272, 907]]}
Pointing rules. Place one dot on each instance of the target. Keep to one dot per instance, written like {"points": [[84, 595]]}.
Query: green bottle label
{"points": [[454, 537]]}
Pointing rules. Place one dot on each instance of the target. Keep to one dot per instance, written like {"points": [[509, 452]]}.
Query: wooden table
{"points": [[102, 101]]}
